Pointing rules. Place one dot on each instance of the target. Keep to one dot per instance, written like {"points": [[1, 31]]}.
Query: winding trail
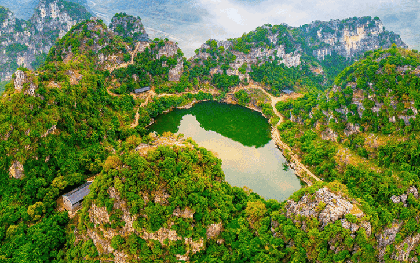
{"points": [[295, 162], [140, 47], [150, 95]]}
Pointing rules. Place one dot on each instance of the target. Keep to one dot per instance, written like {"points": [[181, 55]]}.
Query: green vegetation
{"points": [[129, 27], [72, 130], [75, 10], [280, 77], [14, 48], [39, 61], [3, 13], [89, 122], [374, 167], [242, 97], [193, 179], [3, 86]]}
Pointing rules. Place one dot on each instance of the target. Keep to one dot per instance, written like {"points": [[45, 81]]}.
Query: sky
{"points": [[192, 22]]}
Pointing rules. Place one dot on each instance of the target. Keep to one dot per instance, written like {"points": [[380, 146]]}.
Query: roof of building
{"points": [[78, 194], [142, 90], [288, 91]]}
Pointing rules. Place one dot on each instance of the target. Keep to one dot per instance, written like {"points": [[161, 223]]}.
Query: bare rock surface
{"points": [[324, 205], [26, 43], [214, 230], [16, 170]]}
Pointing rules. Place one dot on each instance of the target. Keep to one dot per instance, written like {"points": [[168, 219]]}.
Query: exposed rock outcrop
{"points": [[102, 235], [326, 206], [20, 79], [176, 72], [403, 198], [256, 56], [16, 170], [329, 134], [350, 37], [26, 43], [214, 230], [23, 82], [170, 49]]}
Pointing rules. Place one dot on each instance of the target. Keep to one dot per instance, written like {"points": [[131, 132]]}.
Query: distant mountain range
{"points": [[27, 42], [350, 130]]}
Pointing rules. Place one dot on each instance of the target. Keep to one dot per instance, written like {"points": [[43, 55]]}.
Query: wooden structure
{"points": [[144, 89], [73, 199]]}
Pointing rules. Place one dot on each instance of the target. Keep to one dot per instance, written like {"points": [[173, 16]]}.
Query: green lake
{"points": [[241, 138]]}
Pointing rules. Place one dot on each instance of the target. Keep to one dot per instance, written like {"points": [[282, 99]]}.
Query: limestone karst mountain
{"points": [[317, 49], [153, 199], [27, 43]]}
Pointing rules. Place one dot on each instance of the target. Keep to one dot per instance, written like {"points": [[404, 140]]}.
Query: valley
{"points": [[337, 100]]}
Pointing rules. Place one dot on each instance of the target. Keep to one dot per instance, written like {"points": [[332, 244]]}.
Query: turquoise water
{"points": [[241, 138]]}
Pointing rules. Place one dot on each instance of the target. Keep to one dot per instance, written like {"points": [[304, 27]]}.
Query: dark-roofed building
{"points": [[72, 200], [138, 91]]}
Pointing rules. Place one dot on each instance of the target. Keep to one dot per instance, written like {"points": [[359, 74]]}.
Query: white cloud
{"points": [[235, 18]]}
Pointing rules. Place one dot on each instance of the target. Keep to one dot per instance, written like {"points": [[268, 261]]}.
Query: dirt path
{"points": [[150, 95], [140, 46], [211, 91], [295, 162]]}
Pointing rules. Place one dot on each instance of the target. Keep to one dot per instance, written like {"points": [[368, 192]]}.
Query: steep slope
{"points": [[128, 27], [57, 127], [26, 43], [165, 199], [285, 57], [376, 94], [364, 133]]}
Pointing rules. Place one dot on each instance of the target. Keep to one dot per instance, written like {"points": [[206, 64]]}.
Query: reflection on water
{"points": [[258, 166]]}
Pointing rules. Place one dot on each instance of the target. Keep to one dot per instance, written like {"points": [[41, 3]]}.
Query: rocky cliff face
{"points": [[240, 62], [348, 38], [318, 211], [26, 43], [307, 45]]}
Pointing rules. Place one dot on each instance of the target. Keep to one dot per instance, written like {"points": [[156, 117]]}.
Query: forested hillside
{"points": [[164, 199], [304, 58], [364, 133], [57, 127]]}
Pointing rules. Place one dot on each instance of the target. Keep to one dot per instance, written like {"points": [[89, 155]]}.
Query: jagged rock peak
{"points": [[59, 10], [5, 16], [349, 37], [27, 42], [128, 26]]}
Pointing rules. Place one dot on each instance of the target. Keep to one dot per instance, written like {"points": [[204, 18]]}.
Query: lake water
{"points": [[241, 138]]}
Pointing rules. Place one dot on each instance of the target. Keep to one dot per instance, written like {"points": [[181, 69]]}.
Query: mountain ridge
{"points": [[71, 120]]}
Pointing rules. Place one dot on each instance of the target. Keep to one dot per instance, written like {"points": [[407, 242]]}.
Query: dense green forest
{"points": [[375, 156], [73, 119], [88, 122]]}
